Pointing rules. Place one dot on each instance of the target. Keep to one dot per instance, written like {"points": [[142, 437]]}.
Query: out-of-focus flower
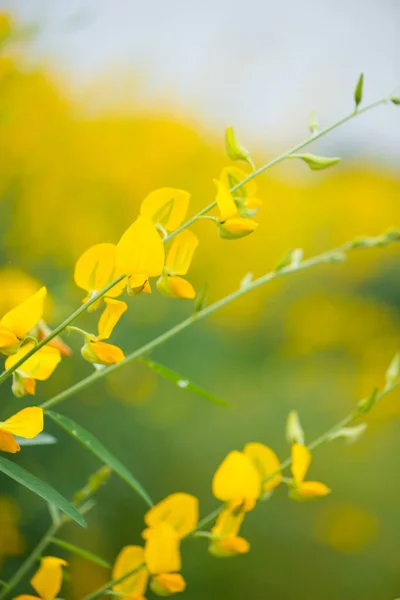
{"points": [[267, 464], [247, 203], [134, 586], [166, 207], [11, 540], [95, 269], [47, 580], [140, 254], [179, 510], [18, 322], [231, 225], [166, 584], [237, 481], [304, 490], [178, 261], [38, 367], [225, 540], [26, 423]]}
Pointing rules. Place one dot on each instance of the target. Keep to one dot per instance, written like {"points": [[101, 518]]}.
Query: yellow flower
{"points": [[26, 423], [134, 586], [95, 269], [140, 254], [304, 490], [166, 206], [231, 225], [225, 540], [178, 262], [179, 510], [237, 481], [244, 197], [18, 322], [166, 584], [267, 464], [95, 350], [162, 551], [47, 580], [37, 367]]}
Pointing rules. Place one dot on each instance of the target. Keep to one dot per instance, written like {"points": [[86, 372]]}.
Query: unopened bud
{"points": [[317, 163], [358, 92], [294, 430], [234, 149]]}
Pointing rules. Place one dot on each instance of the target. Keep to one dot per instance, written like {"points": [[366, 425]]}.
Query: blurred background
{"points": [[100, 104]]}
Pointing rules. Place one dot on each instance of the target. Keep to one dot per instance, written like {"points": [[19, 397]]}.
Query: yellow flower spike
{"points": [[140, 253], [47, 580], [134, 586], [95, 269], [17, 323], [166, 584], [166, 206], [266, 462], [304, 490], [179, 510], [237, 481], [40, 366], [161, 551], [110, 317]]}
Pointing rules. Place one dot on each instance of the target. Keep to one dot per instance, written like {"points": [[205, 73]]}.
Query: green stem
{"points": [[325, 257], [110, 584]]}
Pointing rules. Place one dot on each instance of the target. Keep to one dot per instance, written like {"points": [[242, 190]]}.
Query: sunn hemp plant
{"points": [[156, 251]]}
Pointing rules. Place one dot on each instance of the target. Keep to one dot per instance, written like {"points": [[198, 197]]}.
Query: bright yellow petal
{"points": [[229, 546], [253, 203], [179, 510], [309, 490], [8, 443], [135, 585], [27, 423], [7, 338], [110, 317], [226, 205], [231, 176], [47, 580], [237, 480], [228, 522], [180, 254], [141, 250], [266, 462], [96, 268], [21, 319], [240, 226], [176, 287], [40, 365], [26, 597], [167, 206], [166, 584], [102, 353], [301, 459], [161, 551]]}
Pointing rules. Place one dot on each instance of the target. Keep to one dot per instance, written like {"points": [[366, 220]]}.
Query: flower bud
{"points": [[234, 149], [235, 228], [395, 100], [358, 92], [294, 430], [229, 546], [317, 163]]}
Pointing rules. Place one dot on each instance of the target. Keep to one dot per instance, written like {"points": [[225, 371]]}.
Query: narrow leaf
{"points": [[358, 92], [41, 488], [43, 439], [81, 552], [183, 383], [91, 443]]}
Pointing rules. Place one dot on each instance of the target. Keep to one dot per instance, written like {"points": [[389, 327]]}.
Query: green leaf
{"points": [[41, 488], [358, 92], [43, 439], [91, 443], [81, 552], [183, 383]]}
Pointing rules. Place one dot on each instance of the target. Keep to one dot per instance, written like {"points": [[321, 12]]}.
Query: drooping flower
{"points": [[231, 225], [178, 261], [140, 254], [245, 198], [166, 207], [18, 322], [47, 580], [304, 490], [131, 558], [26, 423], [95, 269], [38, 367]]}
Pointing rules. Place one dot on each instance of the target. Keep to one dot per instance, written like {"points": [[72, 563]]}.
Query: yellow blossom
{"points": [[178, 262], [225, 540], [47, 580], [134, 586], [27, 423], [162, 551], [95, 350], [179, 510], [166, 584], [37, 367], [304, 490], [247, 203], [267, 464], [237, 481], [166, 206], [231, 225], [95, 269], [18, 322], [140, 254]]}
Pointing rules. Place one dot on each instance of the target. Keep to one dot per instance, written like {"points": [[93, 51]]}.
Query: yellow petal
{"points": [[96, 268], [228, 522], [301, 459], [266, 462], [26, 597], [167, 206], [21, 319], [26, 423], [310, 490], [102, 353], [110, 317], [47, 580], [130, 557], [226, 205], [237, 480], [253, 203], [40, 365], [240, 226], [181, 252], [231, 176], [8, 339], [175, 287], [166, 584], [179, 510], [161, 551], [141, 250], [8, 443], [229, 546]]}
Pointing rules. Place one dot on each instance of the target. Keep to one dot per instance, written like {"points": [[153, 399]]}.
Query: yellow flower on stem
{"points": [[225, 540], [18, 322], [166, 207], [47, 580], [38, 367], [179, 510], [237, 481], [166, 584], [304, 490], [95, 269], [26, 423], [267, 464], [231, 225], [133, 587], [178, 262], [140, 254], [244, 197]]}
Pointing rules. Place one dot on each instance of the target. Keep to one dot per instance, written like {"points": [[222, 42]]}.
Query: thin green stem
{"points": [[325, 257], [110, 584]]}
